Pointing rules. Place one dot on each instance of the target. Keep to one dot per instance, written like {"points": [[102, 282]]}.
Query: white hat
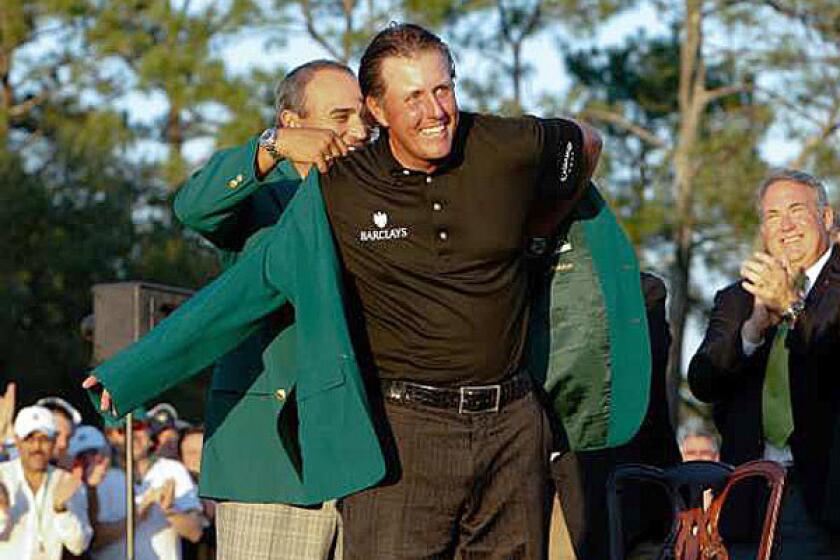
{"points": [[86, 438], [54, 403], [34, 419]]}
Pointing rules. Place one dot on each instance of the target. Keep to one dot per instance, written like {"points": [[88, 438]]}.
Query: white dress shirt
{"points": [[784, 455], [33, 529]]}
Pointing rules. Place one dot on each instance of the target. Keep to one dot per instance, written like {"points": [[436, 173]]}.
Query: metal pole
{"points": [[129, 451], [129, 486]]}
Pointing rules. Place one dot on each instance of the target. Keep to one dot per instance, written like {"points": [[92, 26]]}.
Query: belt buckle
{"points": [[463, 398]]}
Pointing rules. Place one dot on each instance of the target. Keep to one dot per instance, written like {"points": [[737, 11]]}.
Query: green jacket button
{"points": [[280, 394]]}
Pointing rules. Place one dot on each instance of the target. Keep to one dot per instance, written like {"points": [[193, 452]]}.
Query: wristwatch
{"points": [[268, 141], [794, 310]]}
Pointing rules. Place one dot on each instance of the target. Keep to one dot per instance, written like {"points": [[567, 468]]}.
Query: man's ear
{"points": [[376, 110], [828, 216], [288, 119]]}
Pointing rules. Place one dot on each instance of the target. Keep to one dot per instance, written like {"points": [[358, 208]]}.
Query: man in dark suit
{"points": [[768, 364]]}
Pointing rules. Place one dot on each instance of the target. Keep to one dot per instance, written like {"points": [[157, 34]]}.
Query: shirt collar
{"points": [[813, 271]]}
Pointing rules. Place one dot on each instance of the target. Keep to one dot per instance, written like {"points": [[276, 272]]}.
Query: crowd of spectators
{"points": [[63, 485]]}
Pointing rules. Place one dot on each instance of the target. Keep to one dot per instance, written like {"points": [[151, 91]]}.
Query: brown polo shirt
{"points": [[434, 262]]}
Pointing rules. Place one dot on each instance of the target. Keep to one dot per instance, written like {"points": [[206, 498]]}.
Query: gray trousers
{"points": [[246, 531]]}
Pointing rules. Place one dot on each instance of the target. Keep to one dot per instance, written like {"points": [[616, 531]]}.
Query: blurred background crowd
{"points": [[63, 485]]}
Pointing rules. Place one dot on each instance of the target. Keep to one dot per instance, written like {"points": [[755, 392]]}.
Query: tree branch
{"points": [[22, 108], [624, 123], [710, 95], [831, 126], [306, 8]]}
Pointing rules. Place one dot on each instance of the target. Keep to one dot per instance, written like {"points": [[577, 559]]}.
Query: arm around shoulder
{"points": [[211, 200]]}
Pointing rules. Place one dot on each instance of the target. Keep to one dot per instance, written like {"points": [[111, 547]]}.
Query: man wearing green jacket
{"points": [[437, 286], [232, 201], [318, 115]]}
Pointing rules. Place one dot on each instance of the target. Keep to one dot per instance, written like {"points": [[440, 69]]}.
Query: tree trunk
{"points": [[691, 106]]}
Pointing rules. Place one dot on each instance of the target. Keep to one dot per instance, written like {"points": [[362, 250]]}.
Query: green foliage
{"points": [[57, 243], [167, 49], [634, 87]]}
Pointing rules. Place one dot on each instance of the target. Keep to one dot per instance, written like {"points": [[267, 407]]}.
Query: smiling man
{"points": [[43, 509], [768, 363], [428, 225]]}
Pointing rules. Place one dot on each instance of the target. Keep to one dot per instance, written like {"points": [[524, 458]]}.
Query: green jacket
{"points": [[581, 374], [588, 342], [226, 203], [288, 419]]}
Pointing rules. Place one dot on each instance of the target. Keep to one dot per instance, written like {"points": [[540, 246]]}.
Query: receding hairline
{"points": [[311, 83], [290, 92]]}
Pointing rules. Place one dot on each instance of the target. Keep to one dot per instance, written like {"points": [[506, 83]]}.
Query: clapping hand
{"points": [[166, 498], [5, 504], [771, 281], [68, 483], [775, 286], [96, 469], [7, 412], [163, 495]]}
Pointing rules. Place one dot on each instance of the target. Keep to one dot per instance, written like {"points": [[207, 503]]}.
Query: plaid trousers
{"points": [[246, 531]]}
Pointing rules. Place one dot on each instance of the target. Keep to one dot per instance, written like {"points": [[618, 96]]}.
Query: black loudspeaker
{"points": [[125, 311]]}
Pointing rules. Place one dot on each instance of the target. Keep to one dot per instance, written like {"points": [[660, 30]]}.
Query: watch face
{"points": [[267, 137]]}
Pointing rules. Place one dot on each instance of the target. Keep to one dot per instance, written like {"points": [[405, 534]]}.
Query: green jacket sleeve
{"points": [[209, 325], [211, 200]]}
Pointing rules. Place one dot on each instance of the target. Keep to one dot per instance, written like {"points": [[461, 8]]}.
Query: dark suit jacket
{"points": [[721, 374]]}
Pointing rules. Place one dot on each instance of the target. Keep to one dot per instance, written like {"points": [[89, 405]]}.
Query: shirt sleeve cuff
{"points": [[748, 347]]}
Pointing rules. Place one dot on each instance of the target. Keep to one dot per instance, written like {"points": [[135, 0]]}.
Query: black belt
{"points": [[469, 399]]}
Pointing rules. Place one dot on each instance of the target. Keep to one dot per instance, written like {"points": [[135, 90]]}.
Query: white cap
{"points": [[34, 419], [59, 403], [86, 438]]}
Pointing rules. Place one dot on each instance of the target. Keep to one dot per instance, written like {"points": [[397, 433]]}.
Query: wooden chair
{"points": [[694, 531]]}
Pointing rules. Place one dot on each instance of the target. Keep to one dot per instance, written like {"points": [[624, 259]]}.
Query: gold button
{"points": [[280, 394], [240, 178], [233, 184]]}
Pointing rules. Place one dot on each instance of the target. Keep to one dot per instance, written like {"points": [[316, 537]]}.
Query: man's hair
{"points": [[695, 427], [794, 176], [404, 40], [290, 93]]}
